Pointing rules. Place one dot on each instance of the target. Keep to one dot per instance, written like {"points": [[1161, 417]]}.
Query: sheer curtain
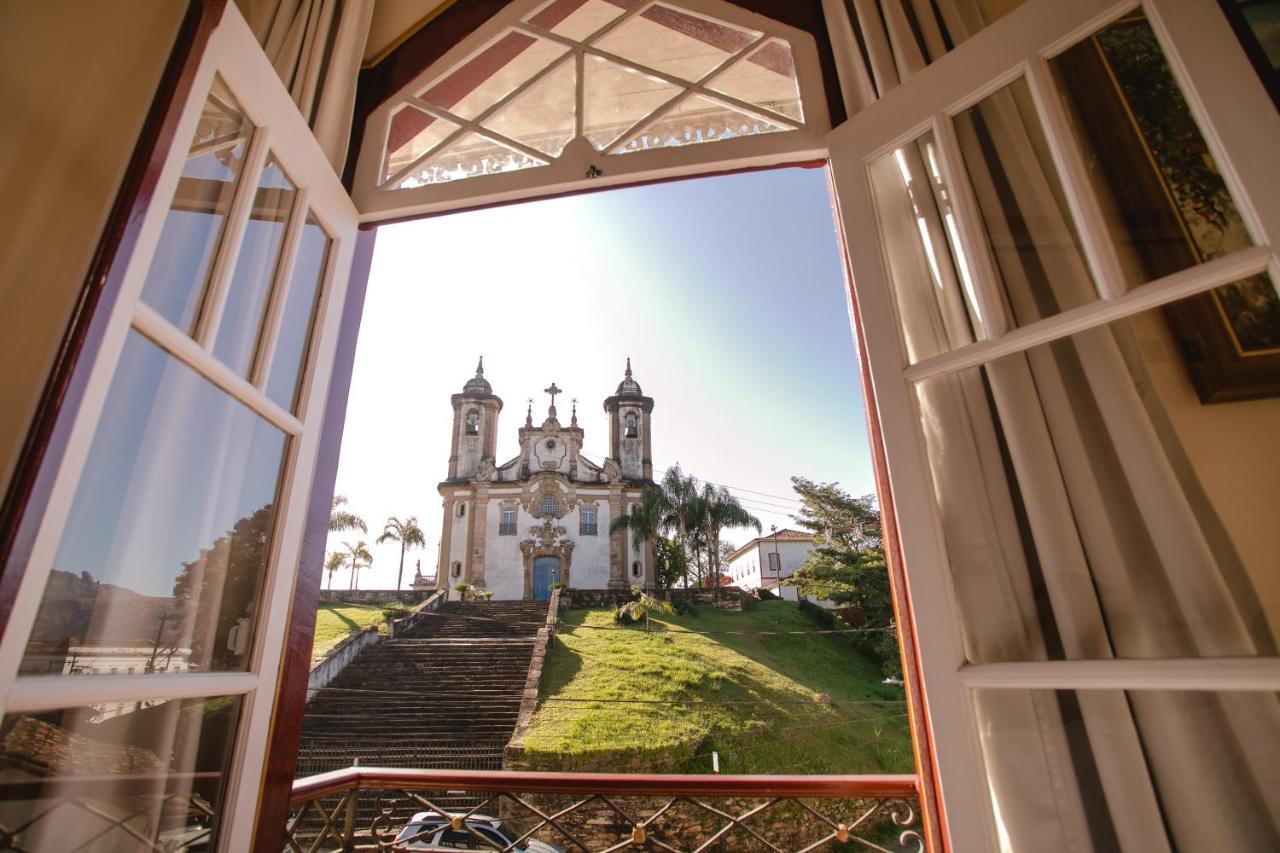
{"points": [[316, 47], [1074, 521]]}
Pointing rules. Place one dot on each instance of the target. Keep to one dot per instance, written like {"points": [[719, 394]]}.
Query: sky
{"points": [[726, 293]]}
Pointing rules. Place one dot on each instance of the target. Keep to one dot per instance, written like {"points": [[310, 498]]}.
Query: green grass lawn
{"points": [[336, 619], [766, 703]]}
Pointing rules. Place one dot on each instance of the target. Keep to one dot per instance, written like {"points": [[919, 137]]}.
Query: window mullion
{"points": [[149, 322], [215, 299], [1099, 248], [1240, 674], [1171, 288], [279, 290], [47, 692], [580, 91]]}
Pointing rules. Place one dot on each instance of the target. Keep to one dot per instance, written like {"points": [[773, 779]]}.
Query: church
{"points": [[543, 517]]}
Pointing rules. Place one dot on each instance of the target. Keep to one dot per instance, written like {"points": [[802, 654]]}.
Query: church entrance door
{"points": [[546, 571]]}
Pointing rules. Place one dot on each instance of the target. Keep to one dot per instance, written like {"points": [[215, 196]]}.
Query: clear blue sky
{"points": [[726, 292]]}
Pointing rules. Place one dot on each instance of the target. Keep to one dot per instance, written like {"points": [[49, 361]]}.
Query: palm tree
{"points": [[407, 533], [336, 561], [683, 509], [360, 558], [646, 520], [721, 510], [341, 519]]}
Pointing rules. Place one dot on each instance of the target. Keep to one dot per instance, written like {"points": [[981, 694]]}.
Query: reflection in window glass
{"points": [[541, 116], [492, 74], [412, 133], [297, 319], [169, 757], [675, 42], [616, 97], [924, 259], [184, 254], [1091, 508], [694, 120], [169, 535], [766, 78], [472, 155], [578, 19], [1028, 226], [1137, 770], [1163, 194], [255, 269]]}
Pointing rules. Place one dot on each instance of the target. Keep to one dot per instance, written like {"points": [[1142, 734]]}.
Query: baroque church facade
{"points": [[543, 517]]}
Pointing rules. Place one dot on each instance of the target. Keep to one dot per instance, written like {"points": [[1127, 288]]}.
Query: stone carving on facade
{"points": [[612, 472], [486, 470]]}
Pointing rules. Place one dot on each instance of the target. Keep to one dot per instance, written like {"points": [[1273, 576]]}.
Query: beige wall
{"points": [[1235, 449], [76, 81]]}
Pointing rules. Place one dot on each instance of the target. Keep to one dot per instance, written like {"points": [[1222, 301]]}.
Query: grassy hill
{"points": [[336, 619], [766, 702]]}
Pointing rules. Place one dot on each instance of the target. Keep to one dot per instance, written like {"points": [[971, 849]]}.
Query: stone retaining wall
{"points": [[725, 598], [375, 596]]}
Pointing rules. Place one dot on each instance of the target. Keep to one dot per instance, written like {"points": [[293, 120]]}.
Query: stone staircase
{"points": [[446, 695]]}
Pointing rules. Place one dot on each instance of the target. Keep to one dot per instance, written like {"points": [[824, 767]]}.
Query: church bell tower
{"points": [[475, 426], [630, 444]]}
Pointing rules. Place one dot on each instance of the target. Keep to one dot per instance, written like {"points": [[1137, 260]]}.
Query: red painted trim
{"points": [[932, 814], [27, 495], [295, 665], [630, 784]]}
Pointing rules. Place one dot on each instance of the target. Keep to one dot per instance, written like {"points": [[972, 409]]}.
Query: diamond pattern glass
{"points": [[694, 120], [766, 78], [470, 156], [616, 98], [579, 19], [542, 116], [411, 133], [675, 42], [492, 74]]}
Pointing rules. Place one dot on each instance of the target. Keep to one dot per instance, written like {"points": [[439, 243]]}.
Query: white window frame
{"points": [[570, 171], [233, 54], [1240, 125]]}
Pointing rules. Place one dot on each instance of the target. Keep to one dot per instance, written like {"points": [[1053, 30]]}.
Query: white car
{"points": [[431, 831]]}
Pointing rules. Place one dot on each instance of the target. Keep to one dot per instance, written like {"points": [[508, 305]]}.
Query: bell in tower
{"points": [[630, 444], [475, 426]]}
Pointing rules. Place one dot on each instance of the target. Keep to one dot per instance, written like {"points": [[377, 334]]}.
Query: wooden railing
{"points": [[366, 808]]}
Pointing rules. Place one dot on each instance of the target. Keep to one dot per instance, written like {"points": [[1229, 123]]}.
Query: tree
{"points": [[669, 562], [847, 566], [720, 510], [341, 519], [645, 520], [359, 558], [408, 534], [684, 511], [336, 561]]}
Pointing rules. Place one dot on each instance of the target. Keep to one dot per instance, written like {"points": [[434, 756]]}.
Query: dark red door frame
{"points": [[27, 497]]}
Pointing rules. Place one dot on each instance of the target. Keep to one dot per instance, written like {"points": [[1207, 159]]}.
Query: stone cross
{"points": [[553, 391]]}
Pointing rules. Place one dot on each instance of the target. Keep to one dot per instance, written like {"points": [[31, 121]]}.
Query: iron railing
{"points": [[605, 812]]}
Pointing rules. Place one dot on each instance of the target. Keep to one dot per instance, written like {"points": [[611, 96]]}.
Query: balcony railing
{"points": [[367, 808]]}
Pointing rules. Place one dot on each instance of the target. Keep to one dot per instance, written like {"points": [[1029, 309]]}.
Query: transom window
{"points": [[593, 85]]}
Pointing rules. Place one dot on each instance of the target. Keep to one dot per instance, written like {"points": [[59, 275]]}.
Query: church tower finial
{"points": [[628, 367], [528, 417], [573, 417], [480, 366]]}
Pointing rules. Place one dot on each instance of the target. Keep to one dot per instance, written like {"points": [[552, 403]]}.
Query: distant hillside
{"points": [[766, 702], [69, 602]]}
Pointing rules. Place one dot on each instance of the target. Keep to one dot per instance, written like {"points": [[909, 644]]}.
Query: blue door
{"points": [[546, 571]]}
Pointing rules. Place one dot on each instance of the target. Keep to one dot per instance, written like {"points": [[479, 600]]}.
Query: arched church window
{"points": [[598, 89], [456, 571], [462, 510], [631, 430], [635, 569], [473, 423], [549, 507]]}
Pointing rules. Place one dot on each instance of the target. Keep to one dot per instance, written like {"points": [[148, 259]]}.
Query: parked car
{"points": [[431, 831]]}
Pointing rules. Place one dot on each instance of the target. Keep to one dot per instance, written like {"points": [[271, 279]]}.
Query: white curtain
{"points": [[316, 47], [1075, 525]]}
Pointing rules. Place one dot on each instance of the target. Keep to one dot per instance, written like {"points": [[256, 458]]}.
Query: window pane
{"points": [[1028, 226], [1162, 193], [766, 78], [169, 535], [184, 254], [1136, 770], [411, 134], [1093, 507], [925, 263], [492, 74], [675, 42], [578, 19], [697, 119], [298, 316], [165, 761], [616, 97], [542, 116], [470, 156], [255, 268]]}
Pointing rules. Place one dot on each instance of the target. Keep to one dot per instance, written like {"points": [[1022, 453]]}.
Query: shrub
{"points": [[488, 594], [821, 615], [767, 594]]}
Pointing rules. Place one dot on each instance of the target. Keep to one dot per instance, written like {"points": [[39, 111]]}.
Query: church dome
{"points": [[628, 387], [478, 384]]}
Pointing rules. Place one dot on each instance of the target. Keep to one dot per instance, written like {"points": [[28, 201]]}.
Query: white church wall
{"points": [[503, 561], [457, 540], [590, 553]]}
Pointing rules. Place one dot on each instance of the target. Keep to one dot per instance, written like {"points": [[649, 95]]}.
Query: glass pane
{"points": [[616, 98], [492, 74], [411, 134], [1162, 193], [255, 269], [470, 156], [675, 42], [184, 254], [298, 317], [1132, 770], [542, 116], [117, 776], [169, 535], [766, 78], [578, 19], [1093, 507], [1028, 226], [697, 119], [924, 260]]}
